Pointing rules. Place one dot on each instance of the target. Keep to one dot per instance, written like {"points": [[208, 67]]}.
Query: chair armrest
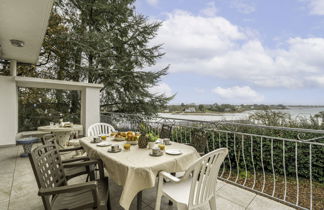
{"points": [[82, 163], [169, 176], [69, 188], [75, 159], [70, 149]]}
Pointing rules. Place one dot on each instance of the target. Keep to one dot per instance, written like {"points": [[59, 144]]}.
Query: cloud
{"points": [[242, 7], [214, 46], [316, 7], [199, 90], [210, 10], [239, 93], [161, 88], [193, 37], [152, 2], [318, 81]]}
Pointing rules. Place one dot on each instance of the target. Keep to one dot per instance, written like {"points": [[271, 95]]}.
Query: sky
{"points": [[240, 51]]}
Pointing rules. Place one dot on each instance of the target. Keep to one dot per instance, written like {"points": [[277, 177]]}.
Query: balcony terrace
{"points": [[18, 189]]}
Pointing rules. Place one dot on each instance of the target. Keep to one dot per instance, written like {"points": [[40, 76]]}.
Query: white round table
{"points": [[62, 134]]}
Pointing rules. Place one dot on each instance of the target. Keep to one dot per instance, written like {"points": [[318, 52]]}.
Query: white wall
{"points": [[8, 111], [90, 107]]}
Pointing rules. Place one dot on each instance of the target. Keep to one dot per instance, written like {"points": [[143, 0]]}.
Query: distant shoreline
{"points": [[203, 113], [238, 112]]}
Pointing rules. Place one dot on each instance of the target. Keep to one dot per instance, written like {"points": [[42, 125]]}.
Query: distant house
{"points": [[190, 109]]}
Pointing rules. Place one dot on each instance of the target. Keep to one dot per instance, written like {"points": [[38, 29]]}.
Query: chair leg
{"points": [[158, 201], [139, 200], [108, 201], [212, 203], [170, 203]]}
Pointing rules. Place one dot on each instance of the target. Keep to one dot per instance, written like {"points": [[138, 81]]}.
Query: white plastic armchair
{"points": [[197, 188], [100, 129]]}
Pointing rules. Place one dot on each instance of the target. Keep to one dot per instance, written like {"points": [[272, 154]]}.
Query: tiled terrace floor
{"points": [[18, 190]]}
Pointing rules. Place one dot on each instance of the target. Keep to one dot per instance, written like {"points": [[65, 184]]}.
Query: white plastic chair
{"points": [[100, 129], [197, 188]]}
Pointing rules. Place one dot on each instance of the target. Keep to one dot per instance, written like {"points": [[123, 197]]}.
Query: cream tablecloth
{"points": [[136, 170]]}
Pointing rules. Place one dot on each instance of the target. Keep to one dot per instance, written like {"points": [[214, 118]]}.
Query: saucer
{"points": [[112, 151], [173, 152], [93, 142], [158, 155], [103, 144]]}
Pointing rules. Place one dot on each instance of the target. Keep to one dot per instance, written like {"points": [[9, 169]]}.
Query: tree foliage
{"points": [[98, 41], [110, 44]]}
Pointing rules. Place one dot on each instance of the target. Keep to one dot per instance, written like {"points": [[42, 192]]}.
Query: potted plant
{"points": [[151, 137]]}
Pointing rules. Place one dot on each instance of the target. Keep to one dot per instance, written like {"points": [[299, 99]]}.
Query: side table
{"points": [[27, 144]]}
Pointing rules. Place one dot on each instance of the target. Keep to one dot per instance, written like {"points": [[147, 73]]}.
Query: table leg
{"points": [[139, 200], [62, 138], [27, 149]]}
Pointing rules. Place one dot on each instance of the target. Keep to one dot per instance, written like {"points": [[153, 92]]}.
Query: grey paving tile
{"points": [[22, 185], [236, 195], [5, 186], [10, 150], [7, 164], [147, 208], [115, 192], [4, 205], [266, 204], [224, 204], [220, 184], [26, 201], [149, 196], [164, 205], [23, 167]]}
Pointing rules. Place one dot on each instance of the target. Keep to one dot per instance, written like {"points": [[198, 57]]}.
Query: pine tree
{"points": [[111, 44]]}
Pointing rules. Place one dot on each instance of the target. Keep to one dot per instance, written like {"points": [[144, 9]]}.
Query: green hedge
{"points": [[217, 139]]}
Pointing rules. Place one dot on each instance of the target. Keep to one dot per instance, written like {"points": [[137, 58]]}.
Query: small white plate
{"points": [[103, 144], [173, 152], [157, 155]]}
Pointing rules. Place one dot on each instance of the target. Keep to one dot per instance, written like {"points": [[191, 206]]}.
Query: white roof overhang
{"points": [[24, 20], [31, 82]]}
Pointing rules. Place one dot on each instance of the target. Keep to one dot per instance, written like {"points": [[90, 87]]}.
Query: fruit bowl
{"points": [[119, 139]]}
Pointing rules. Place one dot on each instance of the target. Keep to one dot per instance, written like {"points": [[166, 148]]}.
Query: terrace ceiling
{"points": [[24, 20]]}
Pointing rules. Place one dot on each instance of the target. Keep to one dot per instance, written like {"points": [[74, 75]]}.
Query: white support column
{"points": [[90, 107], [8, 111], [13, 68]]}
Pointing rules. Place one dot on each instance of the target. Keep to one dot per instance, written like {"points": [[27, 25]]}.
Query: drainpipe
{"points": [[13, 68]]}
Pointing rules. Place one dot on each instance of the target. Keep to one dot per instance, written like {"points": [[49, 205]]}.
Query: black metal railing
{"points": [[282, 163]]}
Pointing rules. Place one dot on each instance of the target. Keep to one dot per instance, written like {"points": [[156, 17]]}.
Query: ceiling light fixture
{"points": [[17, 43]]}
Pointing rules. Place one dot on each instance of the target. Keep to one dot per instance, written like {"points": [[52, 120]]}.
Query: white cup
{"points": [[156, 151], [115, 147], [96, 139]]}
